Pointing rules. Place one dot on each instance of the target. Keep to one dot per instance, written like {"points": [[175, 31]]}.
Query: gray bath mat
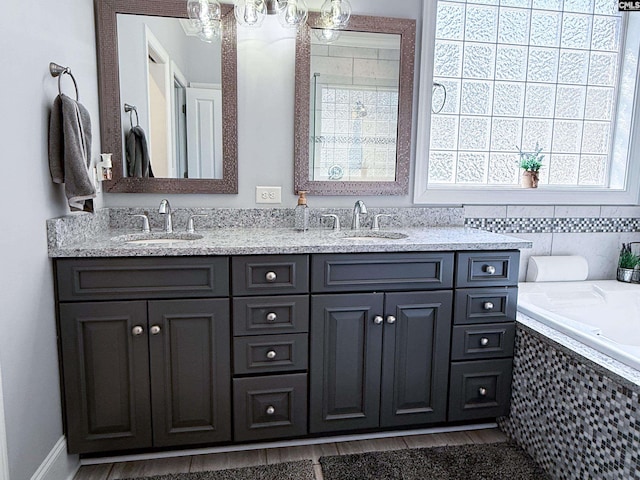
{"points": [[495, 461], [279, 471]]}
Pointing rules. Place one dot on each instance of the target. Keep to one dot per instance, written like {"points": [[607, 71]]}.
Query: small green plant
{"points": [[627, 258], [531, 161]]}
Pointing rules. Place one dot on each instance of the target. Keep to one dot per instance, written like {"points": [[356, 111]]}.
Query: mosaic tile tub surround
{"points": [[577, 419]]}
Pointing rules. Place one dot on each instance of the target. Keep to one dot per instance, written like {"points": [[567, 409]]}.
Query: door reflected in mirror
{"points": [[354, 106], [173, 79]]}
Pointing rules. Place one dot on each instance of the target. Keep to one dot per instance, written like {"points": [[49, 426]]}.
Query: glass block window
{"points": [[354, 133], [521, 72]]}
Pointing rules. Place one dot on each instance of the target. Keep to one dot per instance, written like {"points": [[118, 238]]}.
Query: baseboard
{"points": [[59, 464], [285, 443]]}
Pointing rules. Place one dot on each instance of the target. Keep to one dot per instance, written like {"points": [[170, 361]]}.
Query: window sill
{"points": [[524, 196]]}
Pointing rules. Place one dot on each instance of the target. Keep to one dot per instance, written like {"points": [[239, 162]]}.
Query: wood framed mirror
{"points": [[353, 106], [212, 175]]}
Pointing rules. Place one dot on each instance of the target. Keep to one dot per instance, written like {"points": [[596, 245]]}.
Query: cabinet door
{"points": [[415, 358], [190, 371], [105, 365], [346, 354]]}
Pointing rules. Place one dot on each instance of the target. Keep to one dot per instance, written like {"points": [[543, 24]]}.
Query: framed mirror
{"points": [[354, 97], [165, 90]]}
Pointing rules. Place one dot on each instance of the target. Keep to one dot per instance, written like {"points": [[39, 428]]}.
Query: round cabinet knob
{"points": [[155, 330], [391, 319], [490, 269], [137, 330], [271, 410], [488, 306], [484, 341], [378, 319], [271, 317], [271, 354], [271, 276], [482, 391]]}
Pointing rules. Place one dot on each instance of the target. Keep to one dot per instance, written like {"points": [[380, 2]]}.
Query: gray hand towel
{"points": [[70, 152], [138, 161]]}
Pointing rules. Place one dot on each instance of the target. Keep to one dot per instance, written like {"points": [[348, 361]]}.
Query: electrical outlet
{"points": [[268, 194]]}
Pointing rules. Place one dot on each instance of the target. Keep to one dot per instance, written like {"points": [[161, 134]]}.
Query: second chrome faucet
{"points": [[359, 208]]}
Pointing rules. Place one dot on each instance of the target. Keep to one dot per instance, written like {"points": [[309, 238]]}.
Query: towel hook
{"points": [[57, 71], [131, 109]]}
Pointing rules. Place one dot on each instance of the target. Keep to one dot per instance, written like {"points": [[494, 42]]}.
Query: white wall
{"points": [[31, 37]]}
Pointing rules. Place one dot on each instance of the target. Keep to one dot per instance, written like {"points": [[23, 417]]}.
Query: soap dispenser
{"points": [[302, 212]]}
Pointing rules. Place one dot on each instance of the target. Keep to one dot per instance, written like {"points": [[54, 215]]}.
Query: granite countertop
{"points": [[248, 241]]}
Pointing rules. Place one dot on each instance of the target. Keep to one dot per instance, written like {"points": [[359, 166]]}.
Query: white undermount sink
{"points": [[159, 238], [372, 235]]}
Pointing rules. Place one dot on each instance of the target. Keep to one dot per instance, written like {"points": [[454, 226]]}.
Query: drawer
{"points": [[473, 342], [487, 269], [381, 272], [270, 274], [480, 389], [81, 279], [270, 353], [484, 305], [266, 315], [270, 407]]}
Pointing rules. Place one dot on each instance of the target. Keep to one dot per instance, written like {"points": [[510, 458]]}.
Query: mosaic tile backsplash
{"points": [[576, 420], [555, 225]]}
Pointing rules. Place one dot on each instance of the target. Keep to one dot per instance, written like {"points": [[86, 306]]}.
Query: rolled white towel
{"points": [[558, 268]]}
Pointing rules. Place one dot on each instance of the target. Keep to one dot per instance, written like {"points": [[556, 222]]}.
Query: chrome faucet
{"points": [[358, 208], [165, 209]]}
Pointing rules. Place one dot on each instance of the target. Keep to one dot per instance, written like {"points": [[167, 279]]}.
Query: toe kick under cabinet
{"points": [[161, 352]]}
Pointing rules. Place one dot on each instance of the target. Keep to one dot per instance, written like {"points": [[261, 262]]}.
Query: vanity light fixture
{"points": [[205, 17], [251, 13]]}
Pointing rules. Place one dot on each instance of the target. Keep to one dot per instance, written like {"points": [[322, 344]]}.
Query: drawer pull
{"points": [[271, 317], [488, 306], [489, 269], [271, 354], [378, 319], [137, 330], [155, 330], [484, 341], [271, 410], [482, 391], [271, 276], [391, 319]]}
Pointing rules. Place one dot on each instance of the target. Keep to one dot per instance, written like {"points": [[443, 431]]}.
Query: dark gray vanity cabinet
{"points": [[379, 359], [483, 335], [270, 346], [144, 373]]}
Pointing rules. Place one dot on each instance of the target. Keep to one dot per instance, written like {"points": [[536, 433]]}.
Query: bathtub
{"points": [[603, 314]]}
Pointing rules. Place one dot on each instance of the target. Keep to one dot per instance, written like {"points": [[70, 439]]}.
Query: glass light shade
{"points": [[250, 13], [335, 13], [326, 35], [205, 17], [203, 12], [211, 31], [292, 13]]}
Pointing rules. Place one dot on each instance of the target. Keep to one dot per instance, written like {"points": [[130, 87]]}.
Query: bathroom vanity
{"points": [[311, 335]]}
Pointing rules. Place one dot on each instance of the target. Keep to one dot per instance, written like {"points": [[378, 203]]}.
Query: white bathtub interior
{"points": [[603, 314]]}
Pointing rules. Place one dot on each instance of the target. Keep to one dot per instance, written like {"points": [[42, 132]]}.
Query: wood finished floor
{"points": [[222, 461]]}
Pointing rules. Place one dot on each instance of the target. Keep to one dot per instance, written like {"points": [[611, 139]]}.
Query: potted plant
{"points": [[531, 162], [628, 265]]}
